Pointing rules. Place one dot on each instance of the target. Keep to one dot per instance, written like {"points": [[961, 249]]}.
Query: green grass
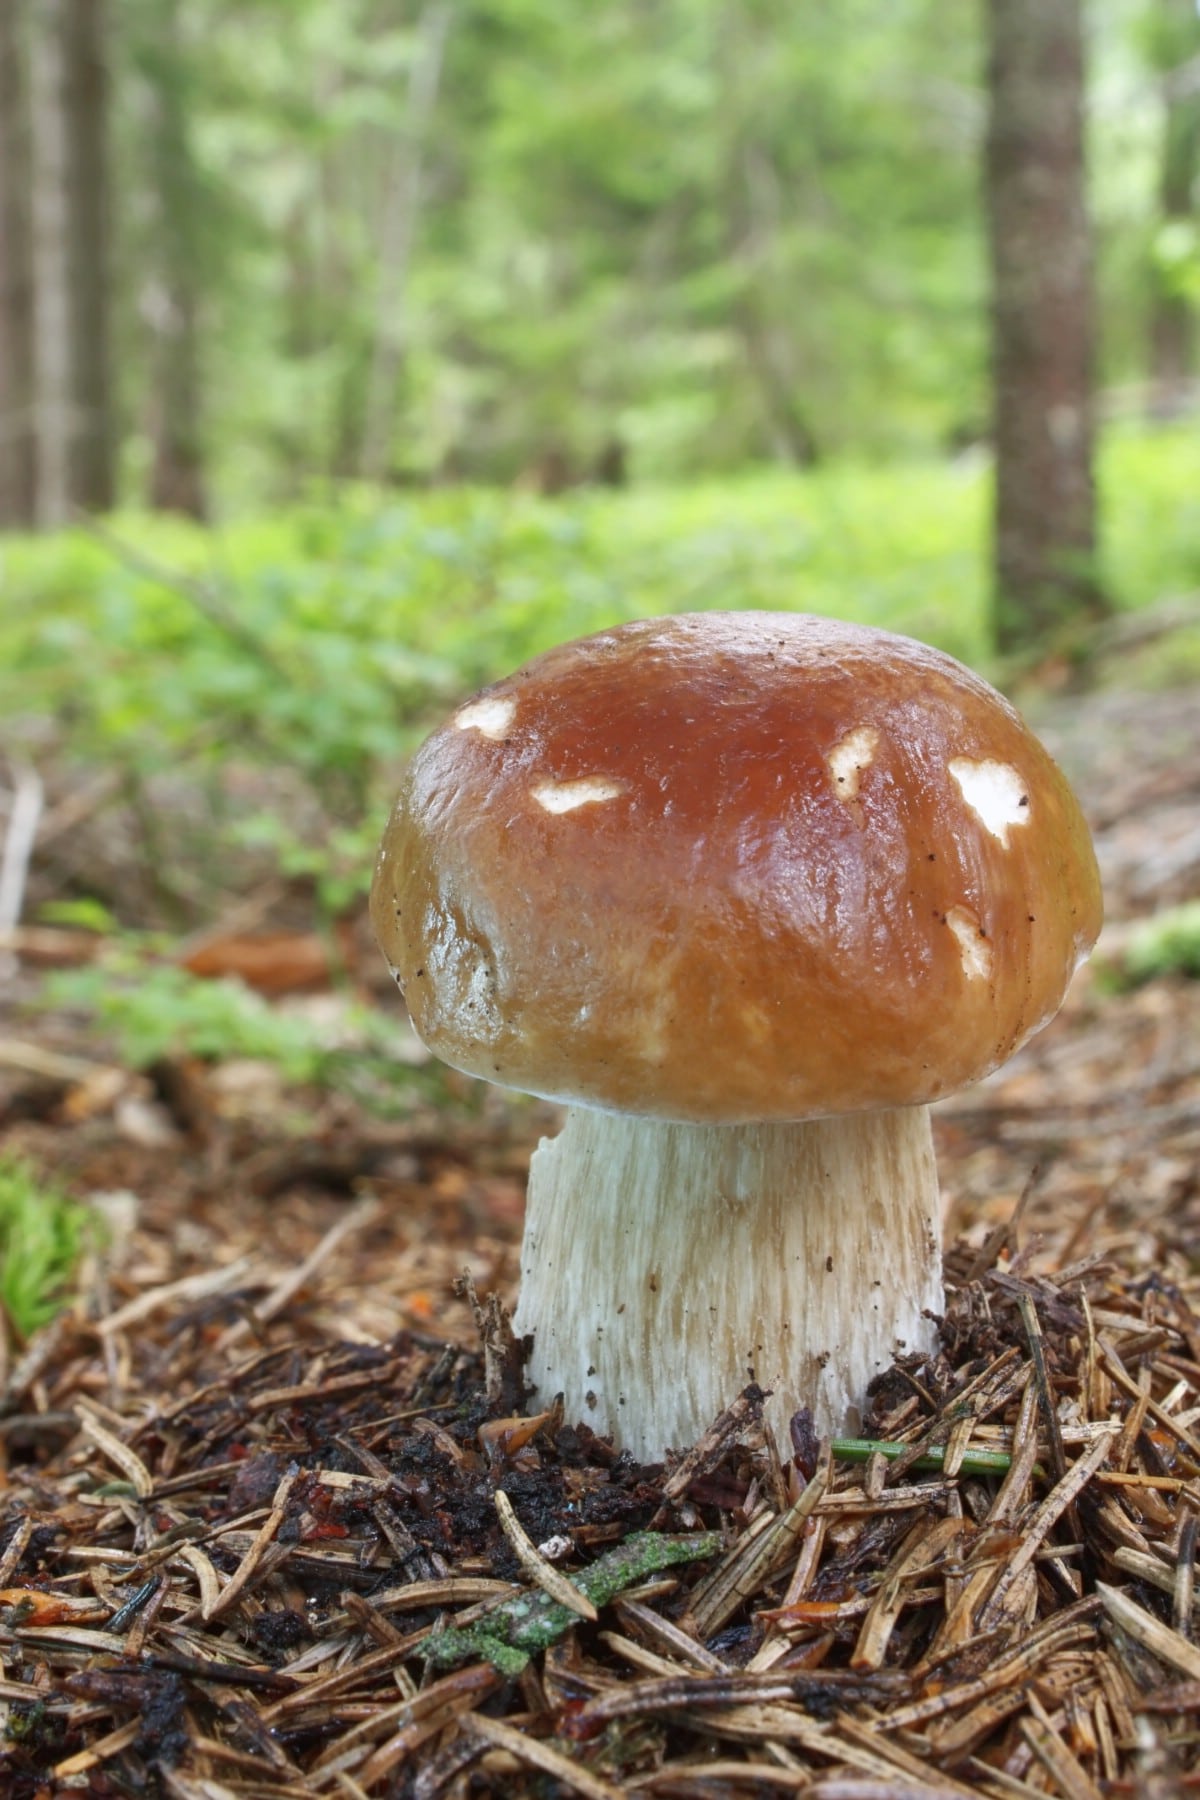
{"points": [[43, 1234]]}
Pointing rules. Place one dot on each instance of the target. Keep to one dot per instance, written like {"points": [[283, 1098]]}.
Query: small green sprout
{"points": [[43, 1234]]}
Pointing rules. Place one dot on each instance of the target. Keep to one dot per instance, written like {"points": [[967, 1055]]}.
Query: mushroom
{"points": [[746, 891]]}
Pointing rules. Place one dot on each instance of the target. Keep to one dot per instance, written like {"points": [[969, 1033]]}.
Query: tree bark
{"points": [[172, 301], [68, 189], [52, 410], [756, 219], [85, 76], [1172, 313], [16, 292], [398, 228], [1045, 582]]}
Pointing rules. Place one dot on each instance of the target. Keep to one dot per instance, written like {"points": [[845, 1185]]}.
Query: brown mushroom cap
{"points": [[733, 866]]}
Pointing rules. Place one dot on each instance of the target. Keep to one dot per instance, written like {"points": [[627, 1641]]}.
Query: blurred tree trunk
{"points": [[68, 202], [171, 298], [756, 220], [85, 78], [16, 294], [1045, 583], [756, 202], [1176, 49], [49, 221], [402, 205]]}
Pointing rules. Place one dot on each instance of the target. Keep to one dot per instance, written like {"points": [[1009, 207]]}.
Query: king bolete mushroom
{"points": [[746, 891]]}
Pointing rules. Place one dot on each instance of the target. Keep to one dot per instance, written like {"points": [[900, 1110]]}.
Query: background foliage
{"points": [[472, 325], [315, 644], [486, 238]]}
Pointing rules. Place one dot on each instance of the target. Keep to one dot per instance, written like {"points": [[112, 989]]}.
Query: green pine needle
{"points": [[975, 1462]]}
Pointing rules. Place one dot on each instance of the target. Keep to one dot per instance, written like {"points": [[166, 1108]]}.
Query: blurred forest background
{"points": [[496, 240], [352, 352]]}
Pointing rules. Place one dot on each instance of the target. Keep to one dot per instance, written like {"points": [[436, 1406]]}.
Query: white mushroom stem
{"points": [[664, 1266]]}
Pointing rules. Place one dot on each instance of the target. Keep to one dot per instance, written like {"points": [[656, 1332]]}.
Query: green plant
{"points": [[1167, 944], [148, 1009], [145, 1009], [280, 669], [43, 1233], [85, 914]]}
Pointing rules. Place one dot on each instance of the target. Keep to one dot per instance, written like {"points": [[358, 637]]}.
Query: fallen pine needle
{"points": [[549, 1579], [537, 1755], [973, 1462], [1161, 1640]]}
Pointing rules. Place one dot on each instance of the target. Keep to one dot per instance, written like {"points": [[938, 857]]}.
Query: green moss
{"points": [[508, 1634]]}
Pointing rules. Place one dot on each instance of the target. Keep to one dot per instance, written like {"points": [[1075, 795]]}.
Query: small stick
{"points": [[1185, 1576], [1124, 1380], [14, 861], [99, 1752], [973, 1462], [1012, 1489], [254, 1555], [742, 1572], [125, 1459], [739, 1416], [1067, 1772]]}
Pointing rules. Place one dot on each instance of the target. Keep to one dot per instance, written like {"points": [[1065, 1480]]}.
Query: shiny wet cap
{"points": [[733, 866]]}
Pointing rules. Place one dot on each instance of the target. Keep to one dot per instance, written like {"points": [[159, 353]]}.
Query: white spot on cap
{"points": [[849, 757], [491, 716], [994, 792], [565, 796], [973, 946]]}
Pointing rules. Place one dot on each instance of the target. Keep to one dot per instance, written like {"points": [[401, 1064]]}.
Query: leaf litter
{"points": [[277, 1518]]}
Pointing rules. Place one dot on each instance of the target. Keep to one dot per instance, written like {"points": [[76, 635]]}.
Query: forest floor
{"points": [[250, 1540]]}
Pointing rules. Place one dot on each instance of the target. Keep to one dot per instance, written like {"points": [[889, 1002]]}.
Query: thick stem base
{"points": [[664, 1266]]}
